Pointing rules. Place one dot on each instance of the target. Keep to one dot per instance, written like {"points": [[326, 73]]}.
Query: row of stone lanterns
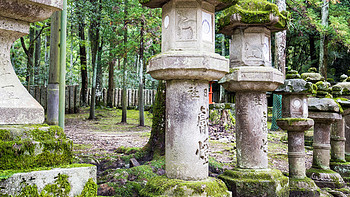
{"points": [[188, 62]]}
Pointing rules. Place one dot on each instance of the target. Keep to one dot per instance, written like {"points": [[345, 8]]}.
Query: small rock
{"points": [[134, 162], [105, 190]]}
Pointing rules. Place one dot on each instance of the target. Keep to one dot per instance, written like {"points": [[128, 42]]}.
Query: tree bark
{"points": [[111, 85], [156, 144], [95, 39], [37, 57], [323, 45], [141, 97], [124, 101], [83, 65]]}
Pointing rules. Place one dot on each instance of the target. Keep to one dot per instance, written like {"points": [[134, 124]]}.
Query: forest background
{"points": [[117, 37]]}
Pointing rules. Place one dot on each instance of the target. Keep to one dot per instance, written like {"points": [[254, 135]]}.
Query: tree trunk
{"points": [[141, 97], [37, 57], [313, 50], [83, 65], [280, 43], [29, 53], [111, 85], [53, 86], [94, 37], [156, 144], [99, 74], [323, 45], [124, 101]]}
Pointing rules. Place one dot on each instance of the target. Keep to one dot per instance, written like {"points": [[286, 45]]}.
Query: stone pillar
{"points": [[338, 141], [186, 140], [324, 112], [251, 77], [251, 128], [295, 121], [187, 62]]}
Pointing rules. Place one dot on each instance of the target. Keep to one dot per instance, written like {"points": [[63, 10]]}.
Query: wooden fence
{"points": [[73, 97], [131, 94]]}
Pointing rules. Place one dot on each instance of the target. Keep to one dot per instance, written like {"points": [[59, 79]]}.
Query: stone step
{"points": [[25, 147], [71, 181]]}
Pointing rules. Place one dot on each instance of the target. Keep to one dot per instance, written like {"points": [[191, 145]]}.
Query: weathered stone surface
{"points": [[295, 106], [250, 47], [249, 13], [312, 77], [295, 124], [16, 105], [188, 65], [163, 186], [187, 139], [78, 177], [345, 86], [251, 130], [296, 86], [219, 4], [343, 168], [29, 10], [260, 79], [305, 187], [338, 141], [323, 104], [256, 183], [325, 178]]}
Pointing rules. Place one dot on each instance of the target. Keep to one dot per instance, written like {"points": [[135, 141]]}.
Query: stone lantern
{"points": [[295, 121], [345, 93], [17, 106], [324, 112], [250, 24], [187, 62]]}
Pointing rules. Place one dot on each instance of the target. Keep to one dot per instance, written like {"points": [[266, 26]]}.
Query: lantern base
{"points": [[325, 178], [249, 182], [163, 186], [305, 187]]}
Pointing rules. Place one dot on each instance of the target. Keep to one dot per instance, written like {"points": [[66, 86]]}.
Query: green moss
{"points": [[253, 12], [34, 147], [60, 188], [293, 120], [256, 182], [163, 186], [90, 189], [5, 174]]}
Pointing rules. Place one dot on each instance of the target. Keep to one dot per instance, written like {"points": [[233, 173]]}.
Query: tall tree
{"points": [[94, 32], [125, 61], [141, 96], [324, 40], [37, 55]]}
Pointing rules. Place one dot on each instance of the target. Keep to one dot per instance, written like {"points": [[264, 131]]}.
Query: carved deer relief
{"points": [[186, 27]]}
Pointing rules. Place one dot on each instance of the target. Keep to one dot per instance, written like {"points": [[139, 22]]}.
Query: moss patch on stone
{"points": [[60, 188], [256, 182], [163, 186], [254, 12], [303, 187], [34, 147]]}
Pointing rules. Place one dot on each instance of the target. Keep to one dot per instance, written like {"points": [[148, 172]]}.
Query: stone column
{"points": [[324, 112], [17, 106], [187, 141], [338, 141], [187, 62], [295, 121], [251, 128], [251, 77]]}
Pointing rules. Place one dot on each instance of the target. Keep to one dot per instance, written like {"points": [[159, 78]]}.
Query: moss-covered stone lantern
{"points": [[187, 62], [295, 121], [324, 112], [250, 24]]}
